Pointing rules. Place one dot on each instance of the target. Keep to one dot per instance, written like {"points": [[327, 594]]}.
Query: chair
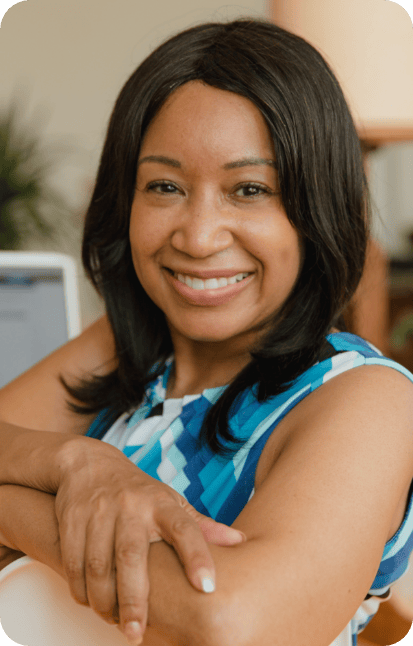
{"points": [[37, 609]]}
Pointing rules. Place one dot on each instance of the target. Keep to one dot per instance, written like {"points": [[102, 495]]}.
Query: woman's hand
{"points": [[109, 511]]}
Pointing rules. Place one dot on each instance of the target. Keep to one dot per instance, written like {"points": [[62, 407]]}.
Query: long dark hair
{"points": [[323, 190]]}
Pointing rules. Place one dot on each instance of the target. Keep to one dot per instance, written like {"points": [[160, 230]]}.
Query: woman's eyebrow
{"points": [[239, 163], [160, 159], [249, 161]]}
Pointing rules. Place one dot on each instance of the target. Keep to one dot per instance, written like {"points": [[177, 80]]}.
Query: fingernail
{"points": [[207, 580], [243, 536], [133, 632]]}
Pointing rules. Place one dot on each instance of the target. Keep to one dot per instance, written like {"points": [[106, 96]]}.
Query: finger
{"points": [[100, 565], [213, 532], [217, 533], [72, 546], [132, 581], [181, 531]]}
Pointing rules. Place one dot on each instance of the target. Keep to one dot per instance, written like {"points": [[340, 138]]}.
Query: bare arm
{"points": [[316, 527], [30, 526], [106, 509], [35, 532], [92, 352]]}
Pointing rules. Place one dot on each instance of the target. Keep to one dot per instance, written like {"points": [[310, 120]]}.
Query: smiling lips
{"points": [[210, 283], [212, 291]]}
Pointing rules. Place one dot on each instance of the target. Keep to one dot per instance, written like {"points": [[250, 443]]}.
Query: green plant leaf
{"points": [[25, 194]]}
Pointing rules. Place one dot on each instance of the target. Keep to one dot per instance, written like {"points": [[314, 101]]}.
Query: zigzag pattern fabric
{"points": [[160, 437]]}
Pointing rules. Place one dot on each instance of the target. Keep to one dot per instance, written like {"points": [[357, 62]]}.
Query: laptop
{"points": [[39, 308]]}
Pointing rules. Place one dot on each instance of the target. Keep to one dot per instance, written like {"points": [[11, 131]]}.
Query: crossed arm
{"points": [[315, 527]]}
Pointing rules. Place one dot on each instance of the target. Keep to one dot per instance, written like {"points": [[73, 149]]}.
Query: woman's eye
{"points": [[251, 190], [165, 188]]}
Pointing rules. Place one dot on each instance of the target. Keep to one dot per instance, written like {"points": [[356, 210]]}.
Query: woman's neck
{"points": [[190, 375]]}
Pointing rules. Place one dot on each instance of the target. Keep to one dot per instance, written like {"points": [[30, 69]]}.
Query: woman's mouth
{"points": [[210, 283], [210, 291]]}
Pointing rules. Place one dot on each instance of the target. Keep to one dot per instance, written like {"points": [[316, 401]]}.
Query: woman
{"points": [[226, 233]]}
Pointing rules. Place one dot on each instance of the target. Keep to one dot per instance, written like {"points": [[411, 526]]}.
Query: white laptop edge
{"points": [[55, 261]]}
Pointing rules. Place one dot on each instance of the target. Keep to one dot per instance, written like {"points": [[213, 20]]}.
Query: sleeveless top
{"points": [[160, 437]]}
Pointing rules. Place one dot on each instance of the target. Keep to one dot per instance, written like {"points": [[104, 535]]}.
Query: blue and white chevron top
{"points": [[160, 437]]}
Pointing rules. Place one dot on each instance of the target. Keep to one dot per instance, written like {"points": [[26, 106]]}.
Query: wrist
{"points": [[78, 455], [71, 453], [30, 458]]}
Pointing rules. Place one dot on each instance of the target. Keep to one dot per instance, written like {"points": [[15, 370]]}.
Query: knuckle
{"points": [[129, 553], [69, 520], [70, 513], [165, 498], [196, 556], [73, 569], [125, 498], [97, 566], [131, 606], [155, 491], [181, 525]]}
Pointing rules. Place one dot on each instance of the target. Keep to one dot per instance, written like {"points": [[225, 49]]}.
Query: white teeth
{"points": [[211, 283], [197, 283]]}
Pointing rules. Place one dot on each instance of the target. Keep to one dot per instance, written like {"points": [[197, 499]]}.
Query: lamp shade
{"points": [[369, 45]]}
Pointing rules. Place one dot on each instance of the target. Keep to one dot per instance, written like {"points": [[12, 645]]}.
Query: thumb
{"points": [[213, 532]]}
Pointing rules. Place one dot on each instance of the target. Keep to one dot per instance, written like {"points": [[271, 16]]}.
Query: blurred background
{"points": [[62, 65]]}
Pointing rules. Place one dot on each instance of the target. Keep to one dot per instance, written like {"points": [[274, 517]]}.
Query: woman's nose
{"points": [[204, 229]]}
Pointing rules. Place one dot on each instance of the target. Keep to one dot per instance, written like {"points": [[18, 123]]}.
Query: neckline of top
{"points": [[157, 389]]}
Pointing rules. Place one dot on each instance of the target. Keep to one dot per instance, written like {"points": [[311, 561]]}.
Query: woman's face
{"points": [[211, 243]]}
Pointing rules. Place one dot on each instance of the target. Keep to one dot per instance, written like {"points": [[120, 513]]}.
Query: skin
{"points": [[203, 216]]}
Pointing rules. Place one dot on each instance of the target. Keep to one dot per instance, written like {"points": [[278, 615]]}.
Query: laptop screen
{"points": [[32, 317]]}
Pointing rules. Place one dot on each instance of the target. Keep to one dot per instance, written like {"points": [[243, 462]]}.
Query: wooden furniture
{"points": [[375, 305], [401, 313]]}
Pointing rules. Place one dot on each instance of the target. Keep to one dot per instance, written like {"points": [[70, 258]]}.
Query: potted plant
{"points": [[28, 206]]}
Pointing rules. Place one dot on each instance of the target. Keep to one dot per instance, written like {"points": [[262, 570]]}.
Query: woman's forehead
{"points": [[205, 119]]}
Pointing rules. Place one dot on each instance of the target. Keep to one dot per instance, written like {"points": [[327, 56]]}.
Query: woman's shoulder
{"points": [[350, 351], [357, 372], [351, 363], [355, 391], [329, 499]]}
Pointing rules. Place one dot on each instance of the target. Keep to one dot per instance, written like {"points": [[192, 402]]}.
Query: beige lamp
{"points": [[369, 44]]}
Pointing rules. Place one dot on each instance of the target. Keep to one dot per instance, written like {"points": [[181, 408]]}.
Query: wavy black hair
{"points": [[323, 190]]}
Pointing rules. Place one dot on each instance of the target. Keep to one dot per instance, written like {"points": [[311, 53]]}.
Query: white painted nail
{"points": [[207, 581], [133, 632]]}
